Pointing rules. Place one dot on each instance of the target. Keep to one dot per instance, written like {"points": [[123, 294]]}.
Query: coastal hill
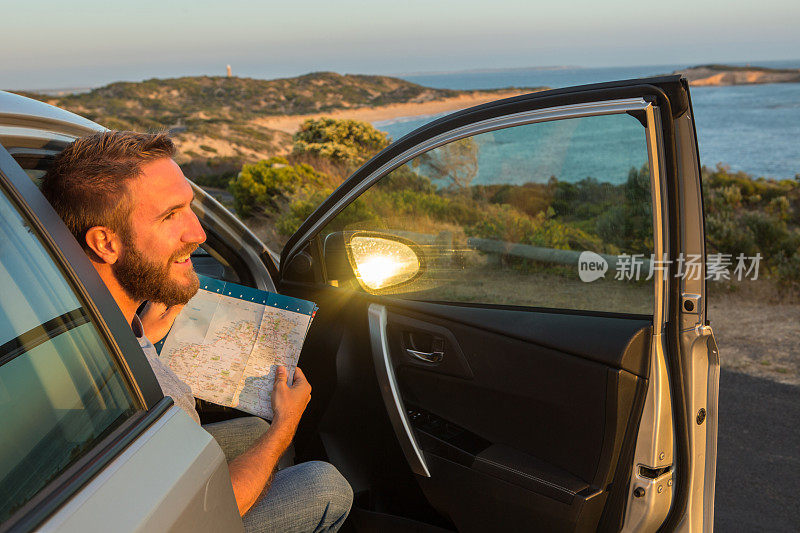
{"points": [[704, 75], [228, 121]]}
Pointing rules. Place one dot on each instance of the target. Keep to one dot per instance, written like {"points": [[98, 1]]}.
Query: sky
{"points": [[88, 43]]}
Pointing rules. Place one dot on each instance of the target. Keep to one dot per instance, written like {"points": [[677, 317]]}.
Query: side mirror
{"points": [[380, 263]]}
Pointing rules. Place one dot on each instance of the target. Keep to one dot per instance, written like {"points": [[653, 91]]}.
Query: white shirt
{"points": [[171, 384]]}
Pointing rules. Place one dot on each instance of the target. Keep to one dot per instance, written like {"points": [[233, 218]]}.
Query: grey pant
{"points": [[311, 496]]}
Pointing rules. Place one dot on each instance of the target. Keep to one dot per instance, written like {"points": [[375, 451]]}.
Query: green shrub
{"points": [[267, 183], [769, 232], [345, 141], [405, 179], [585, 199], [357, 214], [629, 225], [787, 270], [749, 216], [727, 234], [781, 208], [298, 211]]}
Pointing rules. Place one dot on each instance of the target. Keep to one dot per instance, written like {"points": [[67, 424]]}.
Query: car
{"points": [[471, 369]]}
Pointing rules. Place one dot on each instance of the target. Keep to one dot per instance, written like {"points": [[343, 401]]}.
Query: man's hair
{"points": [[88, 182]]}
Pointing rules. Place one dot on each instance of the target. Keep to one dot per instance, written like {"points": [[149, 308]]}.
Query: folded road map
{"points": [[229, 339]]}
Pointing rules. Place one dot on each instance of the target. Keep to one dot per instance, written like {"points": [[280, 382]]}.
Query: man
{"points": [[128, 204]]}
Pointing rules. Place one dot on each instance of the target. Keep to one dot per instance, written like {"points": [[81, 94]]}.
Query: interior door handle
{"points": [[428, 357]]}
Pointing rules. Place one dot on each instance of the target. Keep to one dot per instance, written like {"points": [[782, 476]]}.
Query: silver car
{"points": [[479, 385]]}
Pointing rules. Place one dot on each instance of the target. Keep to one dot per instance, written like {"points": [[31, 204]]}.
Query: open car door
{"points": [[509, 336]]}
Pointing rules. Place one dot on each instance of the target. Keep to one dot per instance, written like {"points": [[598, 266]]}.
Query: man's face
{"points": [[163, 232]]}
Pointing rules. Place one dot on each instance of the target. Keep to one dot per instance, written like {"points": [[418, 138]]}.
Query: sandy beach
{"points": [[281, 127], [291, 123]]}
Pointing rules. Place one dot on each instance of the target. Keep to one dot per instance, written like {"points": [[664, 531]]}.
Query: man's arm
{"points": [[251, 472]]}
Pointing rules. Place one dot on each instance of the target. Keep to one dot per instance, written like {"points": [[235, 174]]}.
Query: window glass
{"points": [[60, 390], [211, 264], [504, 216]]}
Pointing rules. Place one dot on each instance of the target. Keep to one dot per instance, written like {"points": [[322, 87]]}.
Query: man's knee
{"points": [[334, 494], [310, 496]]}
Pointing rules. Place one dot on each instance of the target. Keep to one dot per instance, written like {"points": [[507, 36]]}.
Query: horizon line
{"points": [[59, 91]]}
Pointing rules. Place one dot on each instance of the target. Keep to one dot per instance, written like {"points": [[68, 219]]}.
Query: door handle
{"points": [[428, 357]]}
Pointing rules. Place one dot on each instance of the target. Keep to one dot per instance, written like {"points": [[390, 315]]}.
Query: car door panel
{"points": [[167, 487], [549, 422]]}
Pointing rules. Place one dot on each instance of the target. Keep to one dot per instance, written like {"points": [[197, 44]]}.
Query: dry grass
{"points": [[757, 327]]}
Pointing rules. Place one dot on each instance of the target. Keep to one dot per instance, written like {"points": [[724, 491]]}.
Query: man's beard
{"points": [[143, 279]]}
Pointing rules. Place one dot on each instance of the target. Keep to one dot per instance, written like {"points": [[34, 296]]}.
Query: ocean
{"points": [[750, 128]]}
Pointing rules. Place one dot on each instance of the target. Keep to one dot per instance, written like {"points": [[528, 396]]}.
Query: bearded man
{"points": [[129, 206]]}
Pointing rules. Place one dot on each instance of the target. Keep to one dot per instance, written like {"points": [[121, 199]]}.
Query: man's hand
{"points": [[157, 318], [289, 401]]}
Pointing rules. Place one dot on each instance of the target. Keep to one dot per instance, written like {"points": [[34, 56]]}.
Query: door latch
{"points": [[425, 347], [428, 357]]}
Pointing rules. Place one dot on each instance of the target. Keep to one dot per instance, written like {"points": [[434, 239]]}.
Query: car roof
{"points": [[22, 113]]}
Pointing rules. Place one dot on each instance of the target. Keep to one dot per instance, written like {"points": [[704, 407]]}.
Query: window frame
{"points": [[117, 336]]}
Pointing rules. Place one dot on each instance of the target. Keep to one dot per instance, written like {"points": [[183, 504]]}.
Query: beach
{"points": [[291, 123]]}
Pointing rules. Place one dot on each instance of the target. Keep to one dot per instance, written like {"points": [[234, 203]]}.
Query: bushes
{"points": [[726, 234], [585, 199], [507, 224], [344, 141], [787, 270], [629, 225], [357, 213], [750, 216], [291, 192], [298, 211], [266, 183]]}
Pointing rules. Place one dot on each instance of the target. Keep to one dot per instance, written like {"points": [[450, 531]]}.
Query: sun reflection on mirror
{"points": [[381, 262]]}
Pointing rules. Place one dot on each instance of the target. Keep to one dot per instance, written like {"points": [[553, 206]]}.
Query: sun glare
{"points": [[382, 262]]}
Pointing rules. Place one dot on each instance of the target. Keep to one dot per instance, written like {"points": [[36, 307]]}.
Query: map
{"points": [[229, 339]]}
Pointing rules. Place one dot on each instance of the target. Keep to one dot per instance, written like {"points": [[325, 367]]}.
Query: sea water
{"points": [[752, 128]]}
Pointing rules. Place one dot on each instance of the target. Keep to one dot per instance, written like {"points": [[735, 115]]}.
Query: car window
{"points": [[61, 391], [34, 162], [208, 262], [503, 217]]}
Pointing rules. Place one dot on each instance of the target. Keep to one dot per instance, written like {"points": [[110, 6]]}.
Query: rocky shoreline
{"points": [[723, 75]]}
